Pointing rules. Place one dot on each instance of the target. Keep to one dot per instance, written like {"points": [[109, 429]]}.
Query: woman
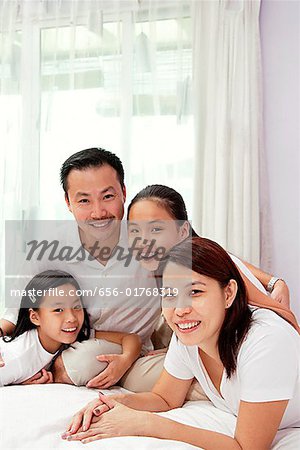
{"points": [[238, 353], [158, 214]]}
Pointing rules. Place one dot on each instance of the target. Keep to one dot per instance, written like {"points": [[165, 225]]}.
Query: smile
{"points": [[188, 327], [101, 223], [148, 255], [69, 330]]}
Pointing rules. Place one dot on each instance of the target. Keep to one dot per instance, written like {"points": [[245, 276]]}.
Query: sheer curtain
{"points": [[228, 120], [78, 74]]}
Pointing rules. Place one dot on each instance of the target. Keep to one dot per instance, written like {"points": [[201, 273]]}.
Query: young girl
{"points": [[51, 317], [246, 359]]}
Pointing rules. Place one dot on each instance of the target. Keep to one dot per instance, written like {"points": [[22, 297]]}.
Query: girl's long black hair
{"points": [[40, 284]]}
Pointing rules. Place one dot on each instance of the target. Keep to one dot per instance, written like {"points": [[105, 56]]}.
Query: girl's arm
{"points": [[280, 291], [131, 343]]}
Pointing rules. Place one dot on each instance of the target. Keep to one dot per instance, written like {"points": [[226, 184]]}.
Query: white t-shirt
{"points": [[24, 357], [131, 311], [268, 368]]}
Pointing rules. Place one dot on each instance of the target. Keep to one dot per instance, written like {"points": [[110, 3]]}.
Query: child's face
{"points": [[59, 318], [155, 228]]}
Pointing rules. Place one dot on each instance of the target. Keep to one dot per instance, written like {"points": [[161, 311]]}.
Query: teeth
{"points": [[69, 329], [100, 224], [185, 326], [147, 255]]}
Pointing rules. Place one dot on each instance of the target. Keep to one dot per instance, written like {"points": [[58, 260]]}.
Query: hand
{"points": [[160, 351], [83, 418], [117, 366], [115, 420], [281, 293], [2, 363], [42, 377]]}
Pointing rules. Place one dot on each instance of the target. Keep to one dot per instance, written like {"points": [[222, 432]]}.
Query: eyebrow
{"points": [[53, 305], [150, 222], [187, 285], [86, 194]]}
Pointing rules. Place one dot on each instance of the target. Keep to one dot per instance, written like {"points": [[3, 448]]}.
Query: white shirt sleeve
{"points": [[268, 365], [11, 314], [176, 363]]}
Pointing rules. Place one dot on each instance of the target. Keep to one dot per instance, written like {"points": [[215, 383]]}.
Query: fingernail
{"points": [[96, 411], [84, 428], [69, 438]]}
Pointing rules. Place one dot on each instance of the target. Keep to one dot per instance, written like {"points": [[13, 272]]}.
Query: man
{"points": [[93, 182]]}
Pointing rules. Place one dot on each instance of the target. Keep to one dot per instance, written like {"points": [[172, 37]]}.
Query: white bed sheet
{"points": [[36, 416]]}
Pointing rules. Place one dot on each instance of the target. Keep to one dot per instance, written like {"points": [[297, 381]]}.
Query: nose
{"points": [[70, 315], [98, 211], [183, 306]]}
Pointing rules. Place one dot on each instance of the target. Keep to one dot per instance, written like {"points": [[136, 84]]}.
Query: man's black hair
{"points": [[90, 157]]}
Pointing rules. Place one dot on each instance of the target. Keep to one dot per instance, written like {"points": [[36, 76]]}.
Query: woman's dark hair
{"points": [[166, 197], [39, 284], [208, 258], [88, 158]]}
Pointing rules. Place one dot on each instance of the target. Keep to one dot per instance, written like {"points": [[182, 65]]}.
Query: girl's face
{"points": [[153, 231], [59, 318], [194, 305]]}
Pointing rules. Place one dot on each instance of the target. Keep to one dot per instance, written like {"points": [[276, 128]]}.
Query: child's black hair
{"points": [[39, 284]]}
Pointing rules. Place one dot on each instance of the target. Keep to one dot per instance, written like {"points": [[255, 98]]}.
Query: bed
{"points": [[35, 417]]}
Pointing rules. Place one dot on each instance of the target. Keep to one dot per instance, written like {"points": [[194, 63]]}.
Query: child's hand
{"points": [[117, 366], [42, 377]]}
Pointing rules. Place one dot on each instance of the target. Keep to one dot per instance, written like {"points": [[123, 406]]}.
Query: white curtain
{"points": [[228, 121], [78, 74]]}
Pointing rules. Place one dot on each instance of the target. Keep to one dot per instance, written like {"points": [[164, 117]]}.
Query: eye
{"points": [[77, 307], [156, 229], [109, 196], [134, 230], [84, 200], [58, 310], [196, 292]]}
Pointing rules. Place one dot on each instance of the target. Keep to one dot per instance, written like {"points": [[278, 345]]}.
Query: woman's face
{"points": [[194, 305], [153, 231]]}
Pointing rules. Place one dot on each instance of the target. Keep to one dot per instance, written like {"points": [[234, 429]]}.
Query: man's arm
{"points": [[280, 291]]}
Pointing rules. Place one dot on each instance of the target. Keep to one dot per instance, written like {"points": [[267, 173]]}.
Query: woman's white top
{"points": [[268, 368], [24, 357]]}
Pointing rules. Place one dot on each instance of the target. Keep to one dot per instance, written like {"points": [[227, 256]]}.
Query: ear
{"points": [[124, 193], [34, 317], [184, 230], [68, 202], [230, 293]]}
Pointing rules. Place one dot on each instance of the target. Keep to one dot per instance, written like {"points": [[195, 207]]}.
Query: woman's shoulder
{"points": [[269, 329]]}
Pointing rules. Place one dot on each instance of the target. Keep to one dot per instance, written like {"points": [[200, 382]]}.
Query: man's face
{"points": [[96, 199]]}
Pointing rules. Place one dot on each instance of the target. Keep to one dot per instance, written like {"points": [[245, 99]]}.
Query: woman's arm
{"points": [[168, 393], [251, 430]]}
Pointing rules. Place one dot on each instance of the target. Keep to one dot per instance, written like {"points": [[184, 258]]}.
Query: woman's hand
{"points": [[115, 419], [83, 418], [281, 293], [42, 377]]}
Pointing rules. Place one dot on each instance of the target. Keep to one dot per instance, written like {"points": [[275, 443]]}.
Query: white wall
{"points": [[280, 35]]}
